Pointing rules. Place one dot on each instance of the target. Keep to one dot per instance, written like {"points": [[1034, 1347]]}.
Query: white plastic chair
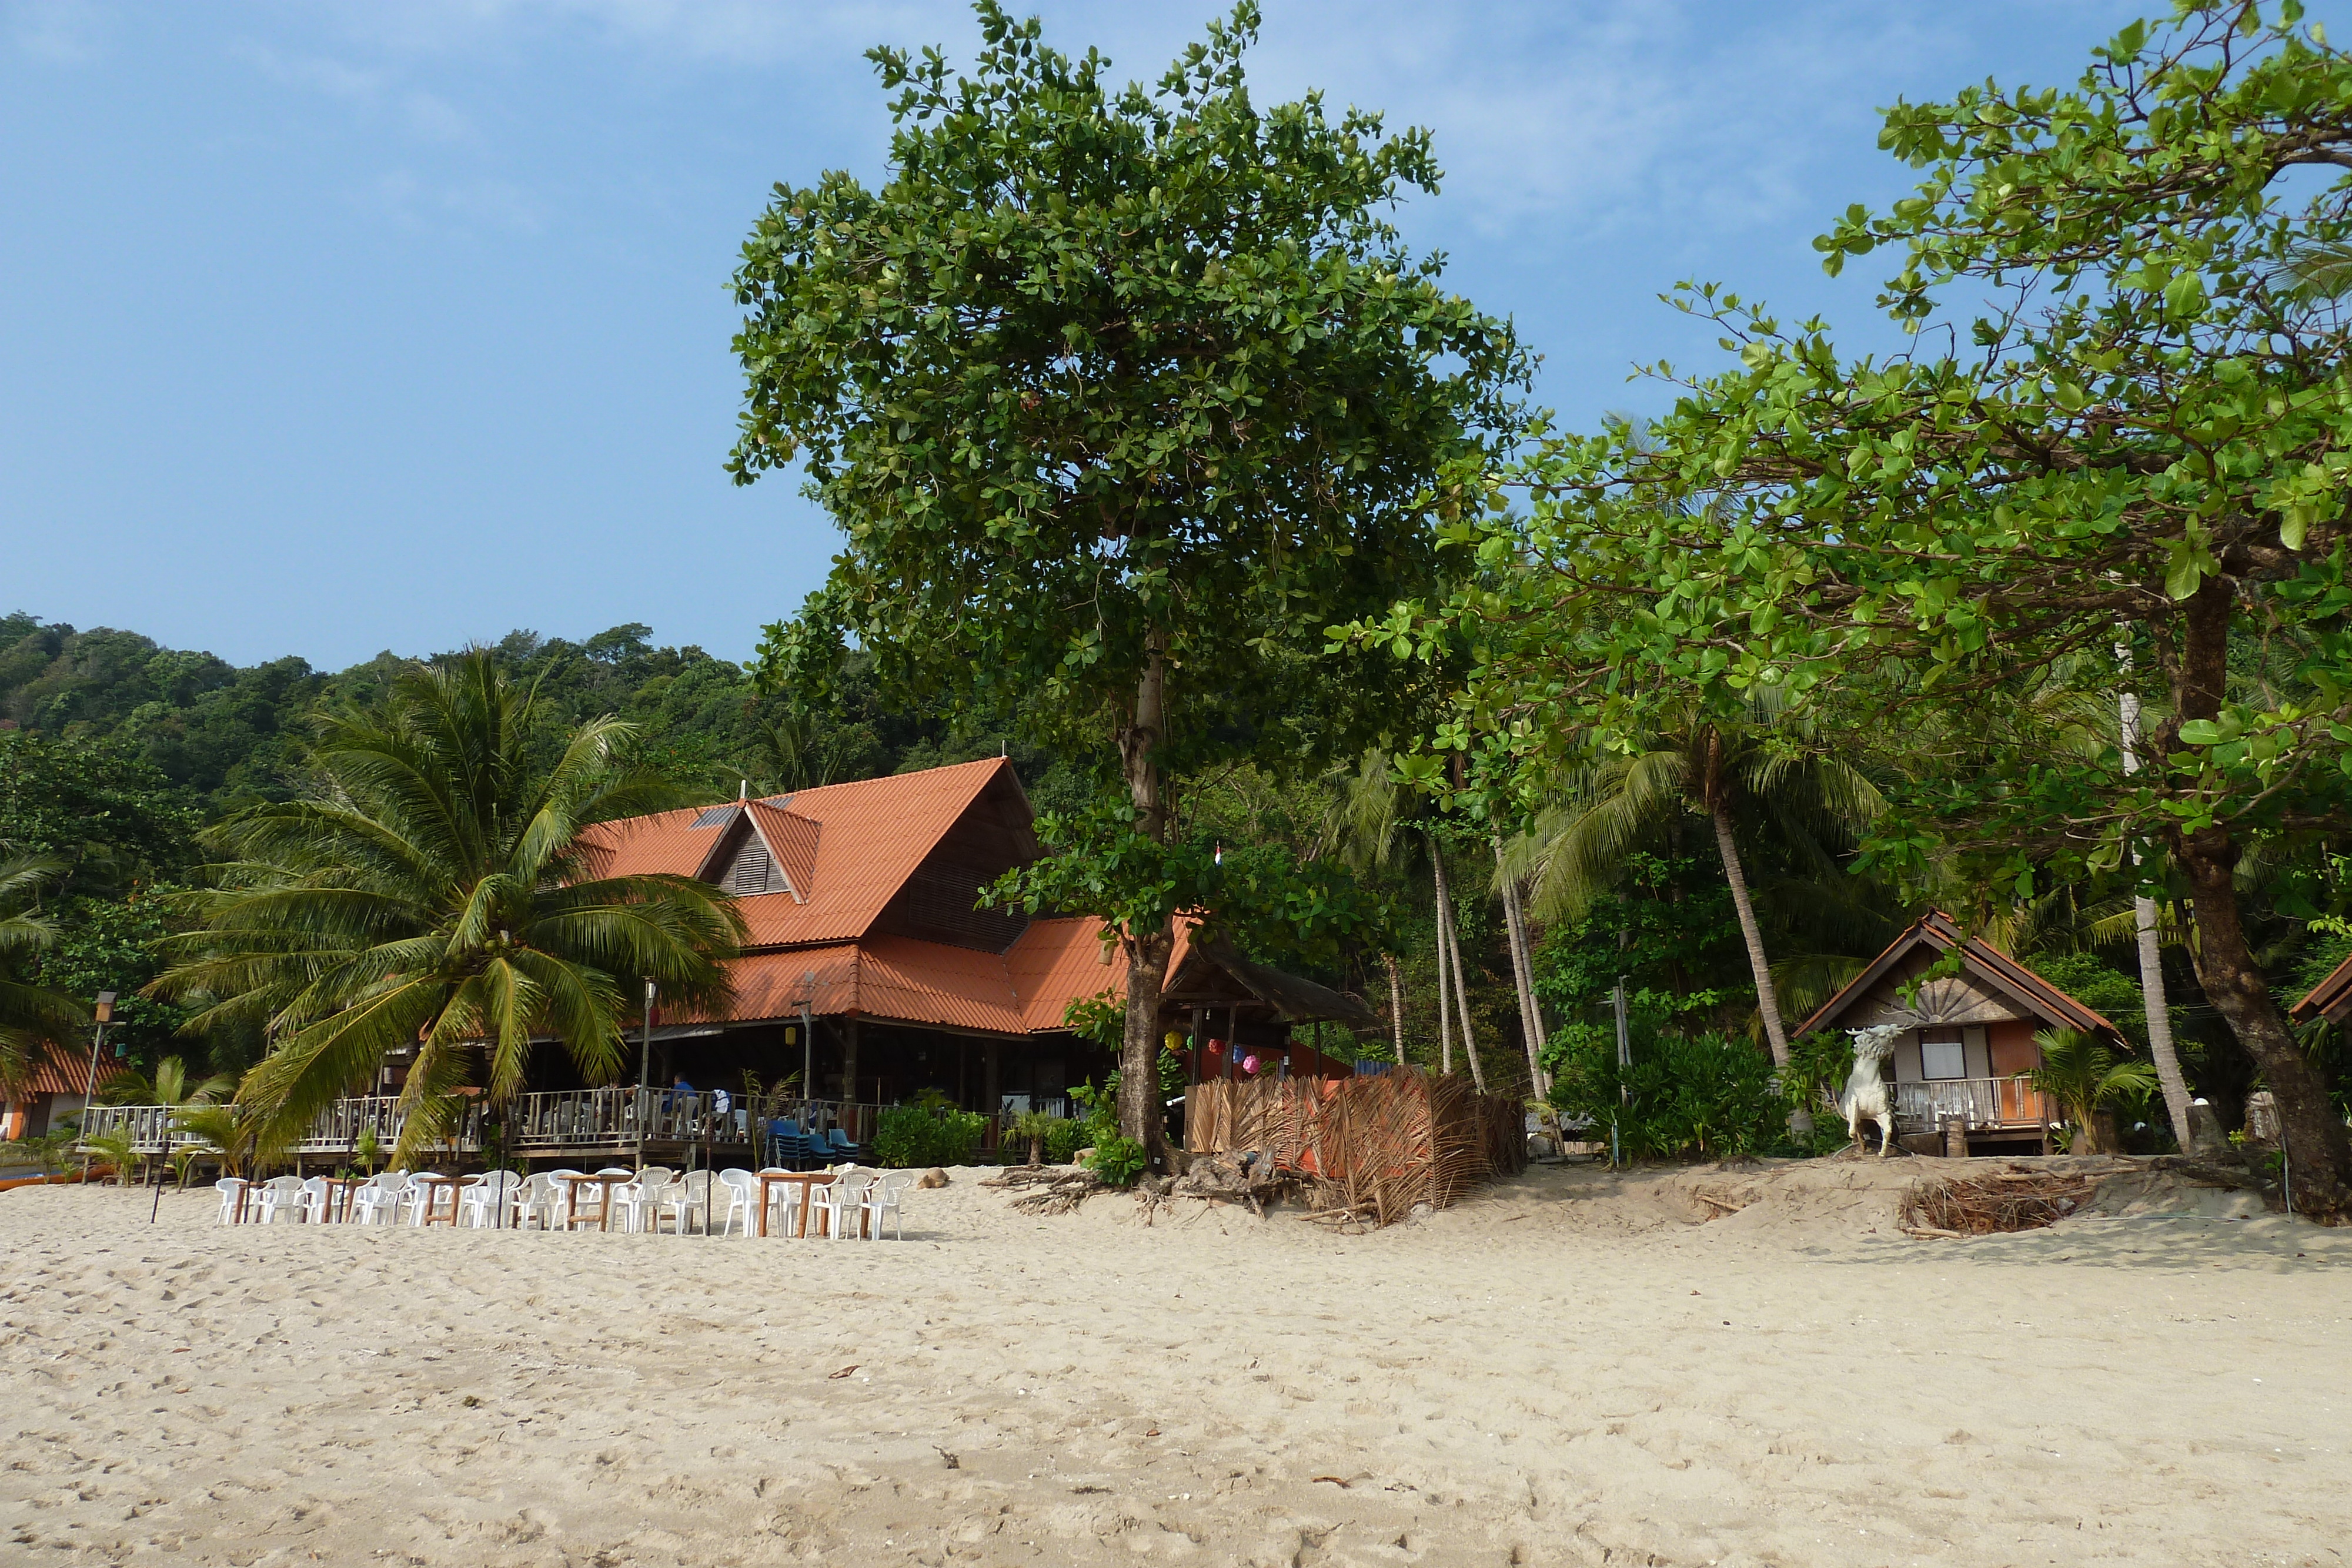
{"points": [[639, 1201], [281, 1197], [310, 1207], [683, 1197], [230, 1189], [742, 1197], [882, 1200], [559, 1198], [421, 1196], [533, 1198], [377, 1200], [843, 1197], [482, 1206]]}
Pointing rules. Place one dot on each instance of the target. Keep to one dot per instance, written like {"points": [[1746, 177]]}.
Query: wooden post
{"points": [[1956, 1137], [849, 1057]]}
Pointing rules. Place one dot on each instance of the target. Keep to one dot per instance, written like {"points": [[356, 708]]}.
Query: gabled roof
{"points": [[1295, 999], [2332, 996], [1981, 962], [844, 848]]}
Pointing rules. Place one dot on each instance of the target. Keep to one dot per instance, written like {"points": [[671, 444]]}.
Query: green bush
{"points": [[1066, 1138], [1118, 1160], [907, 1136], [1702, 1096]]}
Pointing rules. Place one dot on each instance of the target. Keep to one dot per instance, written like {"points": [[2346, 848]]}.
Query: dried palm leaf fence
{"points": [[1376, 1145]]}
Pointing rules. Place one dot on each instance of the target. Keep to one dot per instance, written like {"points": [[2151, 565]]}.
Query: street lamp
{"points": [[104, 1013]]}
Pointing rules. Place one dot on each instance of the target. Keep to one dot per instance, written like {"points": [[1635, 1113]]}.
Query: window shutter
{"points": [[753, 871]]}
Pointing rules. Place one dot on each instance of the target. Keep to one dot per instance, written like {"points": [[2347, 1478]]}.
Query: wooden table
{"points": [[808, 1182], [338, 1196], [571, 1185], [432, 1186]]}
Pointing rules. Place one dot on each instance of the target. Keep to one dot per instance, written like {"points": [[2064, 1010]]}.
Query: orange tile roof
{"points": [[1056, 963], [54, 1077], [864, 840], [792, 841]]}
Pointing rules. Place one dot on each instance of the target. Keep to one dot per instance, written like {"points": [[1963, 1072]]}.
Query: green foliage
{"points": [[1702, 1096], [116, 1149], [2085, 1076], [1102, 381], [1670, 931], [241, 1136], [1068, 1136], [905, 1136], [45, 1152], [1036, 1129], [2099, 986], [35, 1020], [1101, 1019], [1118, 1160], [1262, 897], [438, 899]]}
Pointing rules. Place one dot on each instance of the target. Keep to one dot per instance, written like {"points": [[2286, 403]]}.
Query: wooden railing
{"points": [[543, 1123], [1982, 1101]]}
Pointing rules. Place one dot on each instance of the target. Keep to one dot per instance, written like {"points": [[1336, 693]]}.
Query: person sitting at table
{"points": [[678, 1090]]}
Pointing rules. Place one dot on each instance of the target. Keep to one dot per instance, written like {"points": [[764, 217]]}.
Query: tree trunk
{"points": [[2151, 964], [1396, 1004], [2319, 1152], [1141, 1115], [1768, 1000], [1522, 978], [1452, 947], [1445, 1017]]}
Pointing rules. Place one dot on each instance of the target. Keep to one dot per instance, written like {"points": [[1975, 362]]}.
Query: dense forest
{"points": [[114, 751]]}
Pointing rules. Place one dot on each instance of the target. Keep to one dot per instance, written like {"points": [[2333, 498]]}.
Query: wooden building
{"points": [[1965, 1035], [870, 968]]}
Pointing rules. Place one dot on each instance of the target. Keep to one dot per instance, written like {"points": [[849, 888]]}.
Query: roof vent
{"points": [[716, 816]]}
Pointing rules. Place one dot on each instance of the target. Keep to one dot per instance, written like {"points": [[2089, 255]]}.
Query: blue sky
{"points": [[334, 326]]}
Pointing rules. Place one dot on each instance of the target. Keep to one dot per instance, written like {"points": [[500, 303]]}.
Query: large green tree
{"points": [[2143, 448], [439, 896], [1120, 395]]}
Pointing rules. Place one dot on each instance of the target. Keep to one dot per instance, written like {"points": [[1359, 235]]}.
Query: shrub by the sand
{"points": [[1685, 1096], [908, 1136]]}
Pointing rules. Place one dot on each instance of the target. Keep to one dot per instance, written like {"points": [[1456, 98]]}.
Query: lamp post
{"points": [[104, 1012]]}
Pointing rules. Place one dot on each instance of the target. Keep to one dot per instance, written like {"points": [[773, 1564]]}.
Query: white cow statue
{"points": [[1866, 1098]]}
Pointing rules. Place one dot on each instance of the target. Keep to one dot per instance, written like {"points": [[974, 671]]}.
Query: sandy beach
{"points": [[1570, 1368]]}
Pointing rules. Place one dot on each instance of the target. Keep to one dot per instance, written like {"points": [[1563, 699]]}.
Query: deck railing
{"points": [[543, 1123], [1980, 1102]]}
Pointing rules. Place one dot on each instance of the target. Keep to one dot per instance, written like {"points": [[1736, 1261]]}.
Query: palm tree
{"points": [[33, 1017], [1754, 770], [438, 896], [239, 1135], [1374, 818], [2084, 1077], [169, 1087]]}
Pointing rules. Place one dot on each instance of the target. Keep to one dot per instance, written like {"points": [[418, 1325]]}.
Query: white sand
{"points": [[1567, 1370]]}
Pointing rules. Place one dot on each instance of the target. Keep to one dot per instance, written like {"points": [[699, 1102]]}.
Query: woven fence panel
{"points": [[1386, 1141]]}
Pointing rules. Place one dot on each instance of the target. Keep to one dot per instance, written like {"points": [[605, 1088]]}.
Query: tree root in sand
{"points": [[1055, 1189]]}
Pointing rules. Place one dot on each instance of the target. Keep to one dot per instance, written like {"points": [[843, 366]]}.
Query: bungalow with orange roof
{"points": [[1966, 1038], [868, 966]]}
